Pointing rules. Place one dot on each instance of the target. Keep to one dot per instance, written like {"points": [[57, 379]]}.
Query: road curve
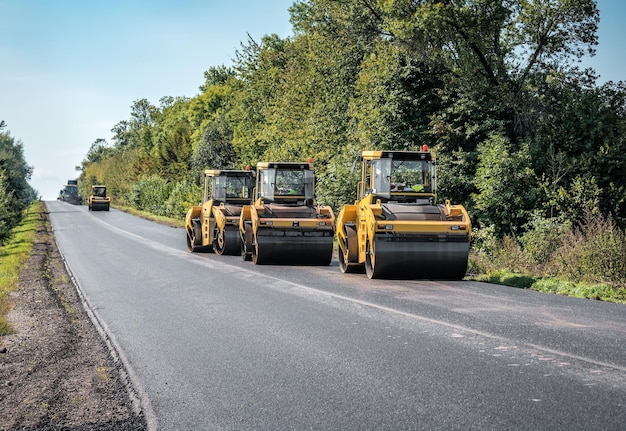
{"points": [[218, 343]]}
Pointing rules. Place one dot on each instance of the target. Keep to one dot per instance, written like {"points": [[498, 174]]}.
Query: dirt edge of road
{"points": [[59, 370]]}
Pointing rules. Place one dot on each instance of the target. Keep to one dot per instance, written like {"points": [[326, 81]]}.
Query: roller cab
{"points": [[396, 229], [214, 224], [284, 225], [98, 199]]}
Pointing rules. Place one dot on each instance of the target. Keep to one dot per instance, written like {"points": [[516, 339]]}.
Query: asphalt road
{"points": [[216, 343]]}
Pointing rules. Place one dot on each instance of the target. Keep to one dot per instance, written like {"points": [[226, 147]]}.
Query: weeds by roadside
{"points": [[13, 254], [585, 261]]}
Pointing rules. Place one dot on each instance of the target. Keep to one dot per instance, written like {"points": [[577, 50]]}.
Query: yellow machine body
{"points": [[283, 224], [396, 229], [98, 199], [214, 224]]}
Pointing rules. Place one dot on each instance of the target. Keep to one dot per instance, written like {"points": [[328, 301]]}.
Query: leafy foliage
{"points": [[15, 192], [150, 193], [592, 252]]}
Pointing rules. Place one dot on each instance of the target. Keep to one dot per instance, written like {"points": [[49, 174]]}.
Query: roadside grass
{"points": [[601, 292], [584, 261], [13, 256]]}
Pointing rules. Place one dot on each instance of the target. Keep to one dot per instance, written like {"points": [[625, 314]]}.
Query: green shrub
{"points": [[184, 195], [490, 254], [149, 193], [543, 238], [588, 261], [594, 252]]}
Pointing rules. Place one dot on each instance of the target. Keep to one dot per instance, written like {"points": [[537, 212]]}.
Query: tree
{"points": [[215, 150], [505, 186], [15, 192], [171, 134]]}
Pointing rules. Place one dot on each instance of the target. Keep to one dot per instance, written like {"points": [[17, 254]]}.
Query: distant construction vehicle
{"points": [[396, 228], [284, 224], [98, 199], [70, 194], [214, 224]]}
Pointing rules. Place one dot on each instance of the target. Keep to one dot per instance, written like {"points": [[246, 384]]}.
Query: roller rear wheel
{"points": [[191, 247], [345, 267], [347, 260], [227, 242], [257, 257], [246, 245], [370, 261]]}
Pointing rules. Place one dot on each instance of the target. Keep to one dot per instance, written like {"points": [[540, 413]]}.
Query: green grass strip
{"points": [[13, 256], [602, 292]]}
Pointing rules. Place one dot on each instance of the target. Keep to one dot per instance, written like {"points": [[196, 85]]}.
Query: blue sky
{"points": [[71, 69]]}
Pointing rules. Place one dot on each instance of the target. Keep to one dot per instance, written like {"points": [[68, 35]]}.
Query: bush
{"points": [[491, 254], [150, 193], [185, 194], [588, 261], [10, 210], [543, 239], [593, 252]]}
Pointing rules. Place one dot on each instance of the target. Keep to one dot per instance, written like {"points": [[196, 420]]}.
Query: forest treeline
{"points": [[525, 138], [15, 192]]}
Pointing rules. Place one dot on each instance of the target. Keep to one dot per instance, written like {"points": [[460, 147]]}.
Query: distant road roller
{"points": [[98, 199], [396, 229], [284, 225], [214, 224]]}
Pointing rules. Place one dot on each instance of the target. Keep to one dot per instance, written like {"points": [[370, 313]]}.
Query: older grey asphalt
{"points": [[217, 343]]}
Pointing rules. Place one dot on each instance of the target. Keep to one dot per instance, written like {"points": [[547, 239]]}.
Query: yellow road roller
{"points": [[395, 229], [98, 199], [284, 225], [214, 224]]}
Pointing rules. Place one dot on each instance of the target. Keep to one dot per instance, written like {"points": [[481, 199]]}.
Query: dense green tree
{"points": [[491, 85], [8, 212], [505, 186], [581, 136], [215, 150], [15, 192], [495, 58], [171, 138], [136, 132]]}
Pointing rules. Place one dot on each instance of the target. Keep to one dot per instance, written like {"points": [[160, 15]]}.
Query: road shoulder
{"points": [[56, 372]]}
